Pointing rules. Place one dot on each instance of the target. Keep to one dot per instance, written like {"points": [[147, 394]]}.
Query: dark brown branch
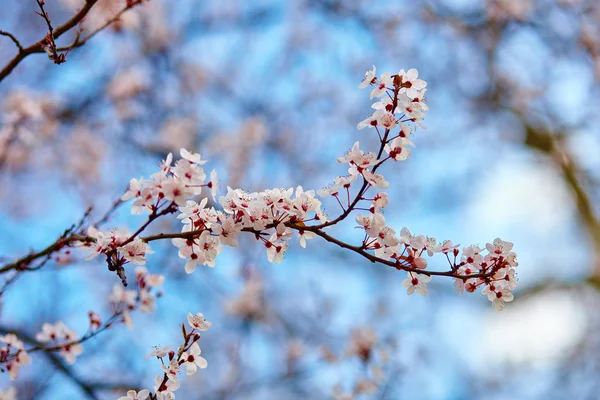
{"points": [[79, 43], [57, 362], [50, 43], [13, 38], [38, 47]]}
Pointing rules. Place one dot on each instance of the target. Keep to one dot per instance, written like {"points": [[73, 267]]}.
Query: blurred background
{"points": [[267, 91]]}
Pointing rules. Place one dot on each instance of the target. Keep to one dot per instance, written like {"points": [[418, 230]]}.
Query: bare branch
{"points": [[13, 38], [40, 47]]}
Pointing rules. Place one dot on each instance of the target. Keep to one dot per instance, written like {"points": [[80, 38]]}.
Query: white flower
{"points": [[331, 190], [135, 189], [122, 296], [189, 173], [385, 103], [413, 110], [135, 251], [214, 184], [192, 360], [397, 148], [227, 231], [51, 332], [447, 246], [386, 119], [192, 157], [372, 224], [410, 84], [376, 180], [70, 351], [176, 191], [12, 341], [95, 320], [158, 352], [165, 390], [381, 87], [371, 121], [499, 247], [381, 118], [198, 322], [133, 395], [498, 295], [146, 302], [380, 201], [171, 369], [275, 251], [415, 282], [304, 236], [369, 78]]}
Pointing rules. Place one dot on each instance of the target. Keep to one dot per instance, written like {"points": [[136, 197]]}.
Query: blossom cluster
{"points": [[404, 101], [144, 298], [59, 335], [408, 100], [497, 266], [173, 183], [274, 214], [172, 362], [133, 251], [12, 355], [264, 213], [273, 217]]}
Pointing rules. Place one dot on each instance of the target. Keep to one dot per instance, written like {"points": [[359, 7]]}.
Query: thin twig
{"points": [[13, 38]]}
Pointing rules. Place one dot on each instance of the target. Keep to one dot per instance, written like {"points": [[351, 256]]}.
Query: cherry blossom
{"points": [[60, 334], [13, 354], [369, 79], [273, 217], [416, 282], [198, 322], [304, 236], [95, 320], [192, 359], [499, 247], [121, 296], [398, 150], [158, 352], [171, 370], [70, 352], [410, 84], [498, 295], [133, 395], [164, 390], [381, 87]]}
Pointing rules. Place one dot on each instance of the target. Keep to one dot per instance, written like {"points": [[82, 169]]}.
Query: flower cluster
{"points": [[60, 336], [172, 184], [132, 250], [264, 213], [125, 300], [187, 356], [403, 95], [272, 216], [497, 266], [407, 100], [12, 355]]}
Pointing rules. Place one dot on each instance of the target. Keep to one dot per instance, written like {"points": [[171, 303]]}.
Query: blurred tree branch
{"points": [[54, 34]]}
